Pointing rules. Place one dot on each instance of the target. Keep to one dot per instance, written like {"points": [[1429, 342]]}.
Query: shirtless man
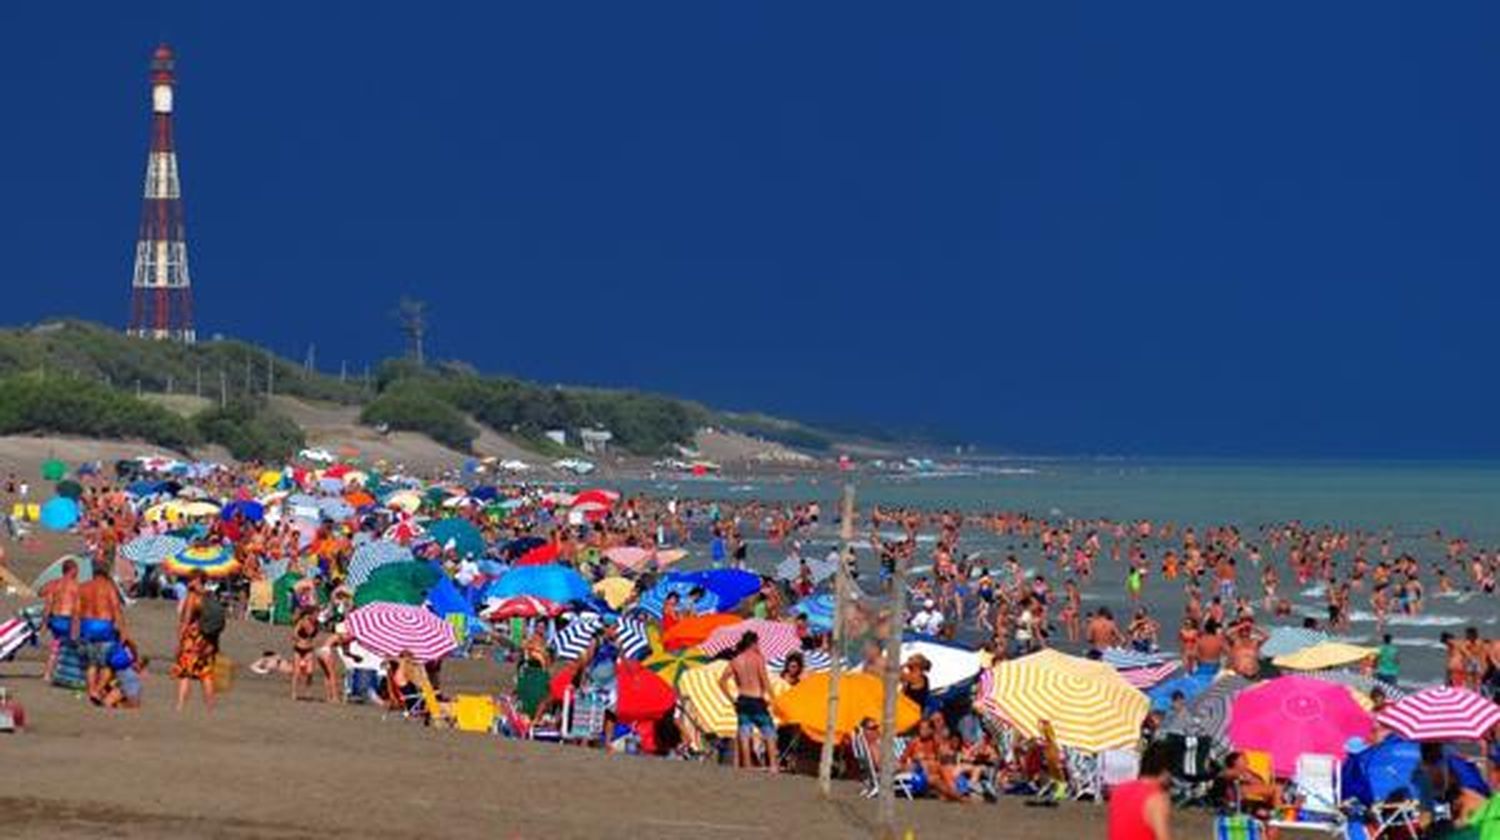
{"points": [[1102, 632], [100, 620], [751, 697], [1245, 640], [60, 604], [1210, 645]]}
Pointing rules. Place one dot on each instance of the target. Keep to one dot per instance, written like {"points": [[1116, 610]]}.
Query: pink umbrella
{"points": [[629, 556], [777, 638], [1144, 678], [389, 629], [1441, 714], [1291, 716]]}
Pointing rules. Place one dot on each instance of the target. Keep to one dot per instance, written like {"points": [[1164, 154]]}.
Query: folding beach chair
{"points": [[1259, 762], [583, 715], [15, 633], [1405, 814], [1318, 784], [1083, 774], [1116, 767], [262, 601], [1238, 827], [475, 713], [902, 783], [1192, 767]]}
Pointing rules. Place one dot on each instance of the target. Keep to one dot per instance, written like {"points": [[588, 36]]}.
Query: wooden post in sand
{"points": [[836, 672], [886, 816]]}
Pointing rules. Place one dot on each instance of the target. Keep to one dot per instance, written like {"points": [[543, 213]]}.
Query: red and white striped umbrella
{"points": [[521, 606], [1441, 714], [389, 629], [1144, 678], [777, 638]]}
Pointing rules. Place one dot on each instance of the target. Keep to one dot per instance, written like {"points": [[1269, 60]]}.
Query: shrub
{"points": [[70, 406], [411, 405], [250, 430]]}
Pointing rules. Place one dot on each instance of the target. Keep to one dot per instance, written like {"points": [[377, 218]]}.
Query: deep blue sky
{"points": [[1195, 228]]}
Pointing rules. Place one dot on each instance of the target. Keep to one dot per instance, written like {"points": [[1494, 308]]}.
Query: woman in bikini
{"points": [[304, 642]]}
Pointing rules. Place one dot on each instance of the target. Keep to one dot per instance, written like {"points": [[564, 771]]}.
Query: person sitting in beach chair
{"points": [[1249, 785], [924, 758]]}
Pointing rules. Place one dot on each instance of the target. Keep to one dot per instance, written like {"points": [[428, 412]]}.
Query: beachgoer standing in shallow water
{"points": [[101, 618], [195, 652], [751, 696]]}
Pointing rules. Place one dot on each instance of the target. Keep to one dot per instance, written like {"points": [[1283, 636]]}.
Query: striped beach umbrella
{"points": [[213, 560], [819, 570], [819, 610], [521, 606], [390, 629], [1361, 683], [707, 706], [1144, 678], [572, 641], [1208, 714], [1442, 713], [1324, 655], [1123, 659], [776, 638], [1282, 641], [631, 557], [153, 549], [1089, 705], [812, 660], [371, 556]]}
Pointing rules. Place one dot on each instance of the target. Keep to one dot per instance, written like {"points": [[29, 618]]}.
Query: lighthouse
{"points": [[161, 293]]}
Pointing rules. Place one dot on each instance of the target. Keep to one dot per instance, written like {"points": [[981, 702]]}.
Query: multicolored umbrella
{"points": [[213, 560], [774, 638], [1144, 678], [860, 696], [153, 549], [521, 606], [1442, 713], [1089, 705], [1293, 715], [389, 630], [670, 665], [812, 660]]}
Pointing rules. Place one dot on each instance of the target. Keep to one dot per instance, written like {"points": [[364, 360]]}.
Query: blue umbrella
{"points": [[1191, 685], [145, 488], [730, 585], [253, 511], [461, 532], [485, 493], [553, 582], [59, 514], [819, 610], [653, 600], [571, 641]]}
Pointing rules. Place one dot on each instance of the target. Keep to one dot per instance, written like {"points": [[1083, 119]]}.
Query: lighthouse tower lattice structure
{"points": [[161, 305]]}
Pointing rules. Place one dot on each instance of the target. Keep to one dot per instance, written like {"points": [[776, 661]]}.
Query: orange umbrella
{"points": [[860, 696], [359, 499], [695, 629]]}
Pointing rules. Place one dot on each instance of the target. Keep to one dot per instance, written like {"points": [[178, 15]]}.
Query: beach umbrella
{"points": [[465, 538], [553, 582], [521, 606], [1363, 684], [668, 556], [404, 532], [706, 704], [1282, 641], [404, 500], [252, 511], [860, 696], [388, 630], [213, 560], [812, 660], [371, 556], [1293, 715], [359, 499], [144, 488], [1089, 704], [70, 489], [616, 591], [819, 610], [541, 555], [952, 664], [595, 497], [59, 514], [1442, 713], [1383, 770], [1323, 655], [775, 638], [1208, 715], [730, 586], [152, 550], [670, 665], [1124, 659], [269, 479], [1144, 678], [397, 583], [53, 469], [199, 508], [520, 545], [334, 508], [1191, 686], [694, 630], [652, 601], [640, 694], [54, 571], [628, 556], [630, 633]]}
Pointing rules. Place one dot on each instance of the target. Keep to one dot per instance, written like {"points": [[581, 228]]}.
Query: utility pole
{"points": [[412, 314], [270, 374], [198, 386], [886, 819], [223, 389], [836, 672], [343, 372]]}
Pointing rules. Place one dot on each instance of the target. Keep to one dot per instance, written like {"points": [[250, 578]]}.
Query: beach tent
{"points": [[953, 665], [281, 591]]}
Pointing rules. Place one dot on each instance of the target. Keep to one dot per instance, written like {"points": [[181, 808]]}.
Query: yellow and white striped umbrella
{"points": [[706, 704], [1091, 707], [1324, 655]]}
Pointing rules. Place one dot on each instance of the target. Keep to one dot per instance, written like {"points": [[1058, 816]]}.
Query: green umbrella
{"points": [[465, 537], [71, 489], [281, 592], [397, 583], [53, 469]]}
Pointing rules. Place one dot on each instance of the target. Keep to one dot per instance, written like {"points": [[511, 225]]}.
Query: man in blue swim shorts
{"points": [[101, 618], [60, 608]]}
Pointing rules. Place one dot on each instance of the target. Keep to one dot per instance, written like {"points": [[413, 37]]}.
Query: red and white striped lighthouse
{"points": [[161, 295]]}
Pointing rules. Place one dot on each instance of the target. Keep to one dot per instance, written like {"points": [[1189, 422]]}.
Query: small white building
{"points": [[595, 441], [557, 436]]}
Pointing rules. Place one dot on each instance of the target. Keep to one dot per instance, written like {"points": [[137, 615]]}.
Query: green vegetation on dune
{"points": [[35, 404], [410, 406], [250, 430]]}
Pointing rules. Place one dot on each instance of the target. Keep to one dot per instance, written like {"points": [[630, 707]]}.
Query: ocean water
{"points": [[1415, 501]]}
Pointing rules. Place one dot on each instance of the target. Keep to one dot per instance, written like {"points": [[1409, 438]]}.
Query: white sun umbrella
{"points": [[951, 664]]}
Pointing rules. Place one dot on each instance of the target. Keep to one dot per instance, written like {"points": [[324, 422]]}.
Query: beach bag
{"points": [[223, 673], [211, 618]]}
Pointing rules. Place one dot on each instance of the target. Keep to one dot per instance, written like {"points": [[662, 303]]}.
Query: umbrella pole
{"points": [[886, 813], [836, 672]]}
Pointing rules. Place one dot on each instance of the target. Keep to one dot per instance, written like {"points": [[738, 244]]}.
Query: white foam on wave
{"points": [[1313, 592], [1417, 642], [1401, 620]]}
